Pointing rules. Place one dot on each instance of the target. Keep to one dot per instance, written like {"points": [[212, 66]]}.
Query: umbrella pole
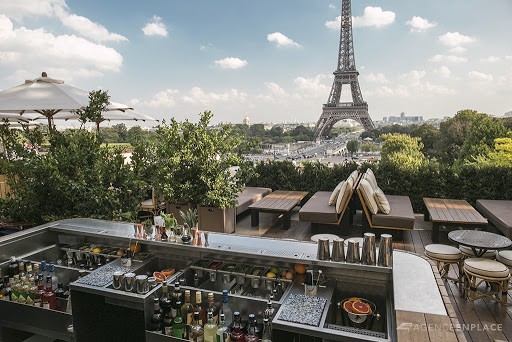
{"points": [[49, 123]]}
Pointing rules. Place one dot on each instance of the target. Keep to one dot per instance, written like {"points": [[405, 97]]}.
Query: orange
{"points": [[300, 268], [159, 276], [168, 272], [134, 247]]}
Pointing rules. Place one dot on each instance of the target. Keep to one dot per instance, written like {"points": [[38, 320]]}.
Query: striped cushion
{"points": [[505, 257], [442, 252], [467, 251], [486, 268]]}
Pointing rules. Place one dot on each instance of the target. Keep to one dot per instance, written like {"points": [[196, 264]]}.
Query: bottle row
{"points": [[175, 315]]}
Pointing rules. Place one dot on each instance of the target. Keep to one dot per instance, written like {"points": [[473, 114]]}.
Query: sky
{"points": [[269, 60]]}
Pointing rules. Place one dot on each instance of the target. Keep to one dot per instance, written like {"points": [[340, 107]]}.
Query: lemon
{"points": [[271, 275]]}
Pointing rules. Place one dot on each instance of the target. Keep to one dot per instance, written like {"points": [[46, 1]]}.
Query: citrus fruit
{"points": [[134, 247], [96, 250], [300, 268], [289, 275], [270, 275], [283, 273], [168, 272], [347, 306], [354, 299], [361, 308], [160, 277], [274, 270]]}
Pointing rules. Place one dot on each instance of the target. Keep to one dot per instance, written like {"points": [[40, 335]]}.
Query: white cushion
{"points": [[505, 257], [382, 201], [467, 251], [370, 177], [344, 195], [368, 197], [335, 193], [486, 268], [443, 252], [354, 176]]}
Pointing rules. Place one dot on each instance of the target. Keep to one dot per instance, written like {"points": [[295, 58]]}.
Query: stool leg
{"points": [[504, 292], [472, 291], [460, 265]]}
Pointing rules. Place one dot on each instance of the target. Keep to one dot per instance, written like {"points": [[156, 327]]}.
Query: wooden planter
{"points": [[175, 209], [216, 219]]}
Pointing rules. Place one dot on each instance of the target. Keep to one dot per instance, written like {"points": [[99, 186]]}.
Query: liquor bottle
{"points": [[21, 267], [269, 313], [187, 312], [222, 330], [178, 326], [22, 290], [31, 292], [44, 270], [38, 297], [196, 329], [210, 329], [14, 287], [12, 269], [176, 297], [55, 280], [251, 331], [49, 301], [156, 318], [7, 289], [212, 308], [199, 308], [59, 292], [267, 332], [196, 280], [226, 310], [236, 334], [165, 301], [29, 274]]}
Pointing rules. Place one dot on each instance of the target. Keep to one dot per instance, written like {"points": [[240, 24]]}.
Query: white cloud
{"points": [[419, 24], [199, 96], [313, 86], [508, 58], [230, 63], [458, 49], [281, 40], [275, 93], [374, 16], [17, 10], [164, 99], [206, 47], [68, 55], [447, 59], [490, 59], [480, 76], [155, 27], [455, 39], [376, 78], [443, 71], [332, 6], [387, 91], [334, 24], [414, 76], [438, 89]]}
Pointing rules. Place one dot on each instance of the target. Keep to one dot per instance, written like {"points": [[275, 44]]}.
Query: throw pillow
{"points": [[344, 195], [370, 177], [354, 175], [382, 201], [335, 192], [368, 197]]}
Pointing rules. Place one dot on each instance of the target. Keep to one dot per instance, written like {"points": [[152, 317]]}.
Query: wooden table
{"points": [[479, 241], [451, 212], [279, 201]]}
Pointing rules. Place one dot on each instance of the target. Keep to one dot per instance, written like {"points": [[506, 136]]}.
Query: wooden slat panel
{"points": [[439, 328], [279, 201], [411, 326], [453, 211]]}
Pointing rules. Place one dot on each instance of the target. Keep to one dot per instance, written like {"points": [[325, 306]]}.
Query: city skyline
{"points": [[270, 61]]}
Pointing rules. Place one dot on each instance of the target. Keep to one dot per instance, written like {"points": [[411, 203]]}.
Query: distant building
{"points": [[246, 120], [508, 114], [403, 119]]}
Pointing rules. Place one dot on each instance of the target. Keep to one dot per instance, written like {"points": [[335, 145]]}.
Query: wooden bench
{"points": [[497, 212], [279, 201], [401, 216]]}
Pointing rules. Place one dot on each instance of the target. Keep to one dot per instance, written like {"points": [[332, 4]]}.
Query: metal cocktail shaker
{"points": [[338, 250], [385, 250], [323, 252], [353, 255], [369, 256]]}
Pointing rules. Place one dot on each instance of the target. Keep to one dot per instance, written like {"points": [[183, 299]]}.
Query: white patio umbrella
{"points": [[17, 118], [47, 96]]}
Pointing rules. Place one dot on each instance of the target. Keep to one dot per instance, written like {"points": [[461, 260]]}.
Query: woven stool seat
{"points": [[468, 252], [493, 273], [486, 268], [443, 252], [505, 257]]}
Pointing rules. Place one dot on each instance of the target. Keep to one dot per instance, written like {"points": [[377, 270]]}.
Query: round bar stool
{"points": [[479, 270], [444, 256], [505, 257], [468, 252]]}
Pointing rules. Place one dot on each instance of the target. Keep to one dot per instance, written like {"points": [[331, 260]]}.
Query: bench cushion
{"points": [[499, 213], [486, 267], [400, 216], [318, 210], [248, 196], [443, 252], [335, 193], [505, 257]]}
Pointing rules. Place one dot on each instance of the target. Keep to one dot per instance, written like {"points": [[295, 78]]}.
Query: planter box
{"points": [[216, 219], [176, 208]]}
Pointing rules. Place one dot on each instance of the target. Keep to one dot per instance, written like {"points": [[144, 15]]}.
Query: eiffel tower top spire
{"points": [[346, 59]]}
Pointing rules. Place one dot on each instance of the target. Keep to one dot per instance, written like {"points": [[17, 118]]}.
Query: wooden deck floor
{"points": [[487, 322]]}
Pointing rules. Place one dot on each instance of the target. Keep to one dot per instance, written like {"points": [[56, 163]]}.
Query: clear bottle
{"points": [[222, 330], [210, 329], [269, 314], [251, 332], [156, 318], [236, 334], [187, 311], [30, 274], [199, 308], [178, 325], [212, 308], [55, 280], [226, 310], [21, 267], [196, 329], [176, 297], [49, 299], [267, 331]]}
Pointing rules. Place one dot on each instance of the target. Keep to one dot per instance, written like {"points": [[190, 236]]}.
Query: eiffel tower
{"points": [[346, 73]]}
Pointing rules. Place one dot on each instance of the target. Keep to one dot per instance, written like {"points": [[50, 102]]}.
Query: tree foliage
{"points": [[402, 150], [352, 146]]}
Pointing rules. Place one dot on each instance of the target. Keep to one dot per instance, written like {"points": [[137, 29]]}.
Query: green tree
{"points": [[98, 103], [352, 146], [136, 135], [428, 135], [402, 151], [501, 156]]}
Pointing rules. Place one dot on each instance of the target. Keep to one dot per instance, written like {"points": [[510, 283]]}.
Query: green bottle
{"points": [[178, 326]]}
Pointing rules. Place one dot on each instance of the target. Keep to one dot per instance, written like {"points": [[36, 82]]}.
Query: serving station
{"points": [[99, 311]]}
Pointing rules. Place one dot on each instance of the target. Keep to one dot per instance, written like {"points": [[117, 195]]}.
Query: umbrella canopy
{"points": [[13, 117], [47, 96]]}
